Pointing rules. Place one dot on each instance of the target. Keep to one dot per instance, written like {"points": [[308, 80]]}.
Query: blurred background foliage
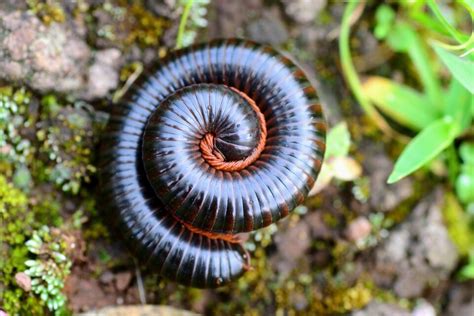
{"points": [[438, 106]]}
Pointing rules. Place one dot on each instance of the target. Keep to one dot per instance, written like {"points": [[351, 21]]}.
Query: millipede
{"points": [[220, 138]]}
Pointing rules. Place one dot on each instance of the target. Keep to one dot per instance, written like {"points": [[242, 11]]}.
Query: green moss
{"points": [[458, 224], [19, 217], [129, 69], [47, 209], [126, 24], [48, 11], [15, 149], [66, 137], [94, 228], [13, 212], [17, 223], [388, 296], [146, 28], [342, 300], [16, 303]]}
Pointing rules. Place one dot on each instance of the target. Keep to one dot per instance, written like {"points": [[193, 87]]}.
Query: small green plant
{"points": [[127, 23], [459, 223], [48, 11], [49, 270], [438, 106], [438, 115], [15, 149], [66, 137], [192, 18], [16, 223], [465, 180], [337, 163], [467, 272]]}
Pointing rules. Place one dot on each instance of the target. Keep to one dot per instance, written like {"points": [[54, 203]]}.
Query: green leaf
{"points": [[467, 272], [384, 17], [465, 181], [461, 69], [465, 184], [404, 38], [452, 162], [338, 141], [466, 151], [429, 143], [455, 34], [403, 104], [458, 103], [401, 37], [427, 21]]}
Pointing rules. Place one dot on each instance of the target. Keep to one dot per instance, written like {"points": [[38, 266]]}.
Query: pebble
{"points": [[419, 252], [303, 11], [424, 309], [23, 281], [376, 308], [106, 277], [358, 229], [122, 280]]}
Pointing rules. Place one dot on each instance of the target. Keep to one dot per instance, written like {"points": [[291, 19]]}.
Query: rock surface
{"points": [[103, 73], [143, 310], [54, 58], [384, 197], [122, 280], [376, 308], [269, 29], [292, 244], [419, 253], [303, 11], [358, 229], [461, 300], [424, 309]]}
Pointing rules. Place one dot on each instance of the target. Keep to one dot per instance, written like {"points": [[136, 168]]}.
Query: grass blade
{"points": [[350, 73], [458, 103], [461, 38], [462, 70]]}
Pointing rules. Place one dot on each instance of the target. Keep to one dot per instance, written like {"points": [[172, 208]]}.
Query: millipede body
{"points": [[222, 138]]}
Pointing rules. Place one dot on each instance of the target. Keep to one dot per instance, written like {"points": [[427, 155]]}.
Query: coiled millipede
{"points": [[222, 138]]}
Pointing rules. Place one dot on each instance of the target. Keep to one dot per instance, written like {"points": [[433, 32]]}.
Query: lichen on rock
{"points": [[53, 57]]}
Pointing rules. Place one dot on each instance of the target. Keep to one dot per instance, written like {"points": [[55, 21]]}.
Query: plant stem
{"points": [[349, 70], [453, 164], [182, 23], [461, 38]]}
